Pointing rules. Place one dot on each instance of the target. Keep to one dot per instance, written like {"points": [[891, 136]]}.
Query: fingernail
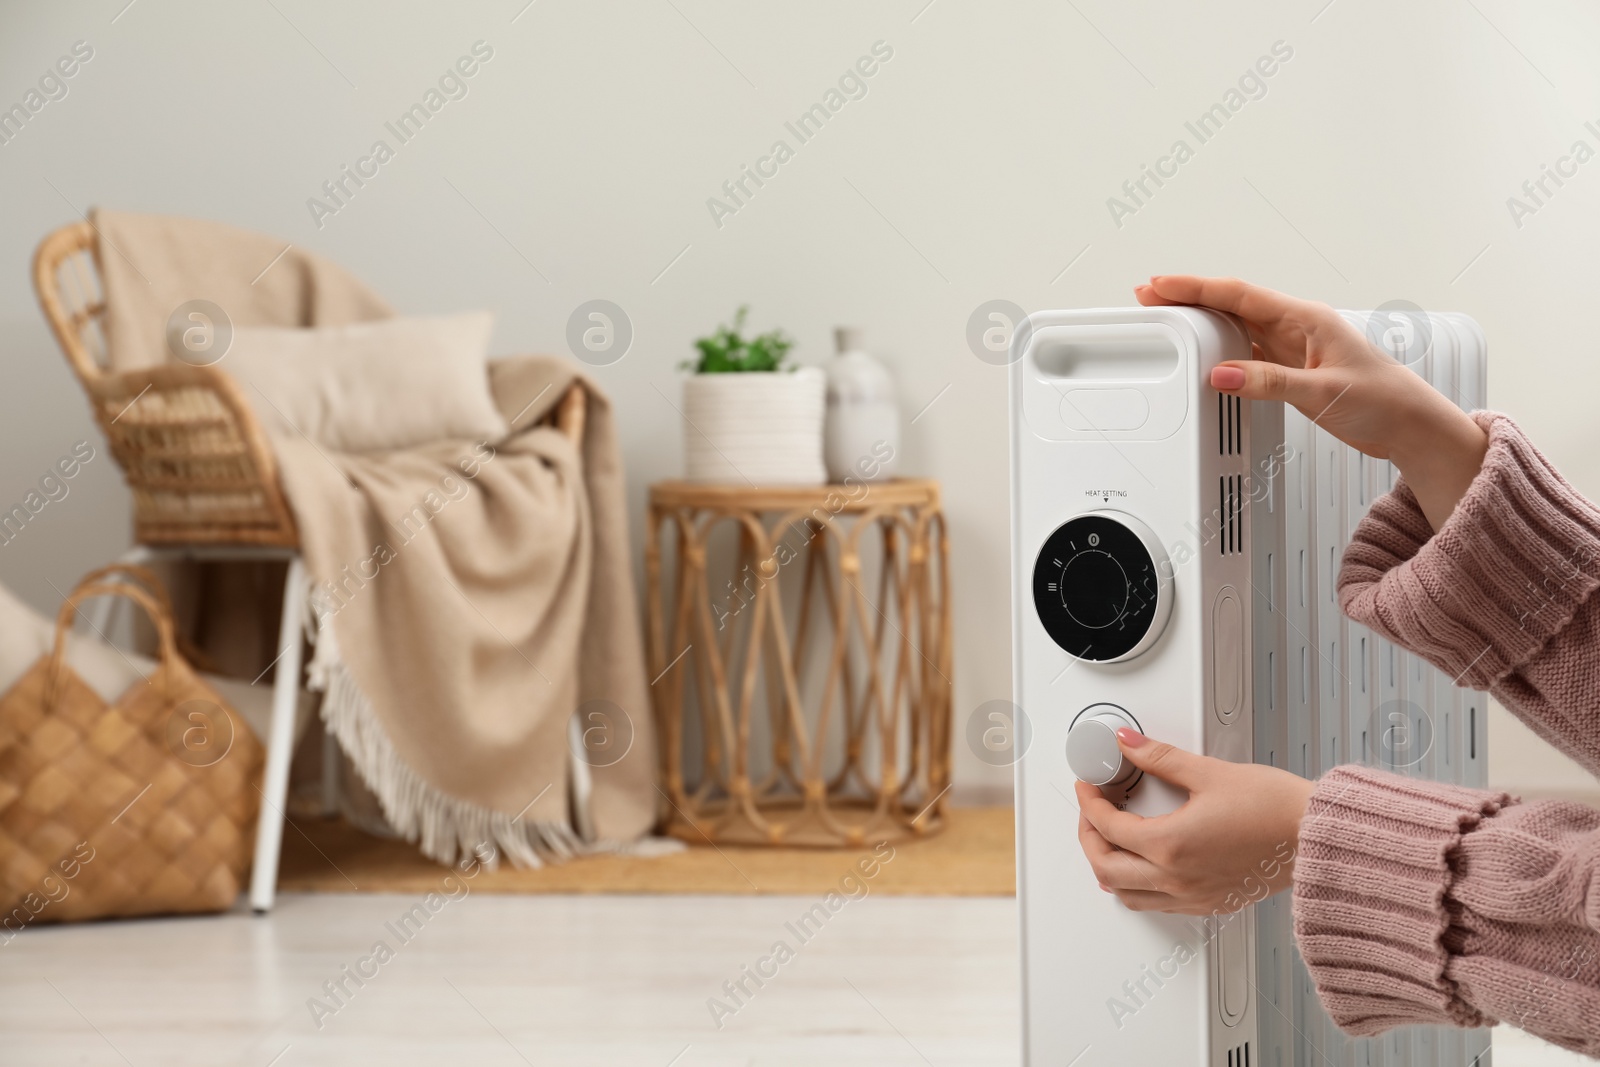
{"points": [[1131, 737], [1227, 378], [1103, 889]]}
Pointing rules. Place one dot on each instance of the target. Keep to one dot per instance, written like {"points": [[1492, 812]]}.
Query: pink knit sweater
{"points": [[1416, 902]]}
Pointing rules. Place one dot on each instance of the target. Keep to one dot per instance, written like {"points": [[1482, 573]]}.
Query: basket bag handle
{"points": [[192, 653], [144, 576], [154, 606]]}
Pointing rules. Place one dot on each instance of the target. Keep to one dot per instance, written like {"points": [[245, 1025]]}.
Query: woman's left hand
{"points": [[1230, 844]]}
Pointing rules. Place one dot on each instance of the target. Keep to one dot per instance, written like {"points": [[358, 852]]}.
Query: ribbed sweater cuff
{"points": [[1374, 866], [1511, 565]]}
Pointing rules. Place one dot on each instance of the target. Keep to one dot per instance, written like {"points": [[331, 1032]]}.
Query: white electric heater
{"points": [[1173, 561]]}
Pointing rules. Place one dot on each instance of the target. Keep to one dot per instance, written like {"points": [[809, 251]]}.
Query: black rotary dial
{"points": [[1096, 588]]}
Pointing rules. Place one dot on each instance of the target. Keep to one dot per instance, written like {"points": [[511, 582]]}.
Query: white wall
{"points": [[1377, 166]]}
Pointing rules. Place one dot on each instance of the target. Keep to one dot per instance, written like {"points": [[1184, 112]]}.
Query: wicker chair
{"points": [[204, 483]]}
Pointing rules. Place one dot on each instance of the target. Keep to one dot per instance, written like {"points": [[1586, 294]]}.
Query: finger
{"points": [[1163, 760], [1259, 379], [1121, 828], [1185, 907], [1147, 295], [1253, 302], [1285, 346], [1115, 868], [1257, 331], [1146, 900]]}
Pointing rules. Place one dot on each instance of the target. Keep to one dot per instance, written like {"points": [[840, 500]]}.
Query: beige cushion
{"points": [[371, 386]]}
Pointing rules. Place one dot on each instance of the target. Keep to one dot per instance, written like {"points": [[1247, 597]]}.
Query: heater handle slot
{"points": [[1107, 352]]}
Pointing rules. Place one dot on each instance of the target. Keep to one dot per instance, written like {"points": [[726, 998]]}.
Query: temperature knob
{"points": [[1092, 750], [1102, 585]]}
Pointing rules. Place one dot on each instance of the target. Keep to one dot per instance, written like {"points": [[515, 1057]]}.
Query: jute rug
{"points": [[974, 856]]}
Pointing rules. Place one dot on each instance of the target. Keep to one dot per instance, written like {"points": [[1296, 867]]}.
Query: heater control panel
{"points": [[1102, 585]]}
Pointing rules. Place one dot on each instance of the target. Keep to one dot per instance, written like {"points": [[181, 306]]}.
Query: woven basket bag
{"points": [[145, 806]]}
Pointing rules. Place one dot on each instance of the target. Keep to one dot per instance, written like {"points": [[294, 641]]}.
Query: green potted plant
{"points": [[748, 417]]}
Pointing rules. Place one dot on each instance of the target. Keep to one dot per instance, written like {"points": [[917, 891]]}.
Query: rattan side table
{"points": [[804, 700]]}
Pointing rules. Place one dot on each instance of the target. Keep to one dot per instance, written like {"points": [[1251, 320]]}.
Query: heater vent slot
{"points": [[1230, 425], [1230, 509], [1222, 515], [1305, 673], [1239, 1055]]}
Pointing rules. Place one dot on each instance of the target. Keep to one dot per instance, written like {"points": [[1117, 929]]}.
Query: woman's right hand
{"points": [[1308, 355]]}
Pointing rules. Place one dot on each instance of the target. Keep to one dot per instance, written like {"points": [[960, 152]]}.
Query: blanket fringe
{"points": [[445, 828]]}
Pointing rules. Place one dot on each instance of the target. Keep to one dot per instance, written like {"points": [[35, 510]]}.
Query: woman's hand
{"points": [[1307, 355], [1232, 843]]}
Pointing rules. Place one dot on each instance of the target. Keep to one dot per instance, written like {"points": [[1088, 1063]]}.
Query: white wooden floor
{"points": [[491, 980], [509, 980]]}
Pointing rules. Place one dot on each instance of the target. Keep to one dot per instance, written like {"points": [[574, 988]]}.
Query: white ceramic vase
{"points": [[862, 438], [754, 427]]}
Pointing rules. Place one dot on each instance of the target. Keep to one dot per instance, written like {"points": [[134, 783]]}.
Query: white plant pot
{"points": [[762, 428]]}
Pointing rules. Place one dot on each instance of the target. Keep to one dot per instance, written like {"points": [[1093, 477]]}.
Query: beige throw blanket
{"points": [[468, 599]]}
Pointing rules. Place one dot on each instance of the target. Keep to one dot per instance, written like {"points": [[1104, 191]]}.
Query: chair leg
{"points": [[280, 742]]}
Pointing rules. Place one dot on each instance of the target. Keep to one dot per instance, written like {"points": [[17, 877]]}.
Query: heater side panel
{"points": [[1136, 987]]}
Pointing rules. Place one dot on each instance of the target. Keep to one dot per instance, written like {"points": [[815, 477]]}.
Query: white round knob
{"points": [[1092, 750]]}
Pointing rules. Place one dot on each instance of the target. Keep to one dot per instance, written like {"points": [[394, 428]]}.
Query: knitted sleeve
{"points": [[1500, 598], [1421, 902]]}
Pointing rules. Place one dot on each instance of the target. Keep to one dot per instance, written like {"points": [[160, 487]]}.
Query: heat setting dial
{"points": [[1102, 585]]}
